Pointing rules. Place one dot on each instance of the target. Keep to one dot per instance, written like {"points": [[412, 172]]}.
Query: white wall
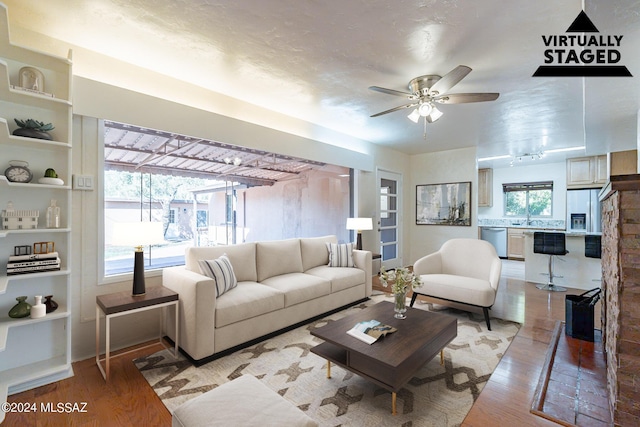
{"points": [[557, 172], [436, 168]]}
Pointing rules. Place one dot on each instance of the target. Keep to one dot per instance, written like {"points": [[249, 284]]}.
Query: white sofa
{"points": [[280, 283], [466, 271]]}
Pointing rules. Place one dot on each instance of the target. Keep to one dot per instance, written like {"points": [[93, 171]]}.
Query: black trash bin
{"points": [[579, 316]]}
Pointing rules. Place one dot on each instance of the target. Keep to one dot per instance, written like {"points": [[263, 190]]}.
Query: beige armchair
{"points": [[465, 271]]}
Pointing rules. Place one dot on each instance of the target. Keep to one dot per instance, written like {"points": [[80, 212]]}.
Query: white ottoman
{"points": [[244, 401]]}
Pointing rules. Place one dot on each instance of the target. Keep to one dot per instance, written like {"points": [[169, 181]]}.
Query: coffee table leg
{"points": [[393, 403], [442, 357], [328, 369]]}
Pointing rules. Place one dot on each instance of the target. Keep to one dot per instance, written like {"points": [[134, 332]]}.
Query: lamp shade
{"points": [[137, 233], [359, 224]]}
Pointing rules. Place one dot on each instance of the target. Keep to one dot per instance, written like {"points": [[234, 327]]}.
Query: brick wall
{"points": [[621, 311]]}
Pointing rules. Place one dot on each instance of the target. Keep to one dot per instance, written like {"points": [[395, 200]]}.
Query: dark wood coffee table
{"points": [[391, 361]]}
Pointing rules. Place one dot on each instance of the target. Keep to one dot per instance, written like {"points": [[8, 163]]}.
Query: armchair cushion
{"points": [[464, 270]]}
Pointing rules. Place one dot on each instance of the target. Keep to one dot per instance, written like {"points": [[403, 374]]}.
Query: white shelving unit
{"points": [[34, 352]]}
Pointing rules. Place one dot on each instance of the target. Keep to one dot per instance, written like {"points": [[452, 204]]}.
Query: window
{"points": [[529, 199], [133, 196], [209, 193]]}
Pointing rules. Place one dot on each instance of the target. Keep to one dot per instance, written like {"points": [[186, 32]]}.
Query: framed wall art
{"points": [[444, 204]]}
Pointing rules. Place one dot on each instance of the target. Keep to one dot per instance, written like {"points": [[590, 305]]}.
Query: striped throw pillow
{"points": [[221, 271], [340, 254]]}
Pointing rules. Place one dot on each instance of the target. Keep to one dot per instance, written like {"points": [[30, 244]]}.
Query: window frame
{"points": [[527, 187]]}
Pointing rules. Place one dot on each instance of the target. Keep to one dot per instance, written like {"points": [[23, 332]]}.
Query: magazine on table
{"points": [[370, 331]]}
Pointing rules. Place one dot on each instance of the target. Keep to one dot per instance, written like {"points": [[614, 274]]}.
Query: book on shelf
{"points": [[370, 331], [23, 267], [33, 257]]}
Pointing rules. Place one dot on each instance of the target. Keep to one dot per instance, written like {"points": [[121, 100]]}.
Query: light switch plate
{"points": [[83, 182]]}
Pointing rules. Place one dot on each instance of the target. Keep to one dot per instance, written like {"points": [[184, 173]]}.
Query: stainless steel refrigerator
{"points": [[583, 211]]}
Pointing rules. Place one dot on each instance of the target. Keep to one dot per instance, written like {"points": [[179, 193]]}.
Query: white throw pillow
{"points": [[340, 254], [221, 271]]}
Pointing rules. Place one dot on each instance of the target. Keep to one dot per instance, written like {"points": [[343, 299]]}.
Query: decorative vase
{"points": [[38, 310], [32, 133], [50, 304], [21, 309], [400, 304]]}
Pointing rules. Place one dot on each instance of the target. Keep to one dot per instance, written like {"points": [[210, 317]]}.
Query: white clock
{"points": [[18, 171]]}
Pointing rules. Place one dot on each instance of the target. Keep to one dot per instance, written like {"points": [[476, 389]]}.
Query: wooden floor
{"points": [[127, 400]]}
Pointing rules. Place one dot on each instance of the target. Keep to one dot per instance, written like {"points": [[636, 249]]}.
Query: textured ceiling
{"points": [[314, 60]]}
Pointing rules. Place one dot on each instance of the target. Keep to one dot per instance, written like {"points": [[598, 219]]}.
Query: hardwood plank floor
{"points": [[127, 400]]}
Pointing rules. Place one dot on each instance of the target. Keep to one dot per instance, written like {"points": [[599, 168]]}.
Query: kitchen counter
{"points": [[578, 271]]}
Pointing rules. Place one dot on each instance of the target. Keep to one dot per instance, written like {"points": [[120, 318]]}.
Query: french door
{"points": [[390, 218]]}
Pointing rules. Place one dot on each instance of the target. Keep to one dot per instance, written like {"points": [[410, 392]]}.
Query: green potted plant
{"points": [[33, 129]]}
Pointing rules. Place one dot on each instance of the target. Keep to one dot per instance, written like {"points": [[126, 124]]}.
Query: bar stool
{"points": [[593, 246], [593, 249], [552, 244]]}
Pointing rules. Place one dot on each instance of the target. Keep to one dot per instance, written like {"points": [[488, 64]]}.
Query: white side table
{"points": [[123, 303]]}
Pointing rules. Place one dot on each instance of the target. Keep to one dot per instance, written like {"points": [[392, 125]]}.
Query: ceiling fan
{"points": [[428, 90]]}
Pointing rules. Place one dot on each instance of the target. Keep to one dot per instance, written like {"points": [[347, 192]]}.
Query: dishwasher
{"points": [[497, 236]]}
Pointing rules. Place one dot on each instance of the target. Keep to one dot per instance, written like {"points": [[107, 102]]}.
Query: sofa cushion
{"points": [[341, 277], [463, 289], [340, 255], [242, 257], [299, 287], [314, 251], [221, 271], [248, 299], [278, 257]]}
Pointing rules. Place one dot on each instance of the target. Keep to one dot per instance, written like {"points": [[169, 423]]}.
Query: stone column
{"points": [[621, 286]]}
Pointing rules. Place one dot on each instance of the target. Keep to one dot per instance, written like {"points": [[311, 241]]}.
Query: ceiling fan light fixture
{"points": [[414, 116], [425, 109], [435, 115]]}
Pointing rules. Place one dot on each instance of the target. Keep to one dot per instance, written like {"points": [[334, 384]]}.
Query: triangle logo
{"points": [[582, 24]]}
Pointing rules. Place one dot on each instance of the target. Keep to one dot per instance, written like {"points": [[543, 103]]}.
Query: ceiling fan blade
{"points": [[401, 107], [391, 91], [450, 79], [464, 98]]}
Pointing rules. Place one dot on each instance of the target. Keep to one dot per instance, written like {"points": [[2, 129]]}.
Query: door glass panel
{"points": [[388, 218], [389, 221], [388, 235], [389, 252]]}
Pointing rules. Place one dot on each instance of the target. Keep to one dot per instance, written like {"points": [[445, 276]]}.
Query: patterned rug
{"points": [[436, 396]]}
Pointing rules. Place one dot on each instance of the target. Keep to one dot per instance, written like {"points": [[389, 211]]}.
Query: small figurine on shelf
{"points": [[21, 309], [32, 79], [53, 215], [38, 309], [50, 304], [33, 129], [19, 219], [51, 177]]}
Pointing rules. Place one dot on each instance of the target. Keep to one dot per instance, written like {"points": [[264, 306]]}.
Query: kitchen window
{"points": [[528, 199]]}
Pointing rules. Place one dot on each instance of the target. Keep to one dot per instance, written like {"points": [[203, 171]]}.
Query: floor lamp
{"points": [[359, 224], [138, 235]]}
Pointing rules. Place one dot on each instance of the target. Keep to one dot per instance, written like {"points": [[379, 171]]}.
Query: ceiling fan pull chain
{"points": [[425, 129]]}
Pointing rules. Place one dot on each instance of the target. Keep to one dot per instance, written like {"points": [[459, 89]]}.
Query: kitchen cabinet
{"points": [[515, 243], [34, 352], [624, 162], [586, 172], [485, 189]]}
